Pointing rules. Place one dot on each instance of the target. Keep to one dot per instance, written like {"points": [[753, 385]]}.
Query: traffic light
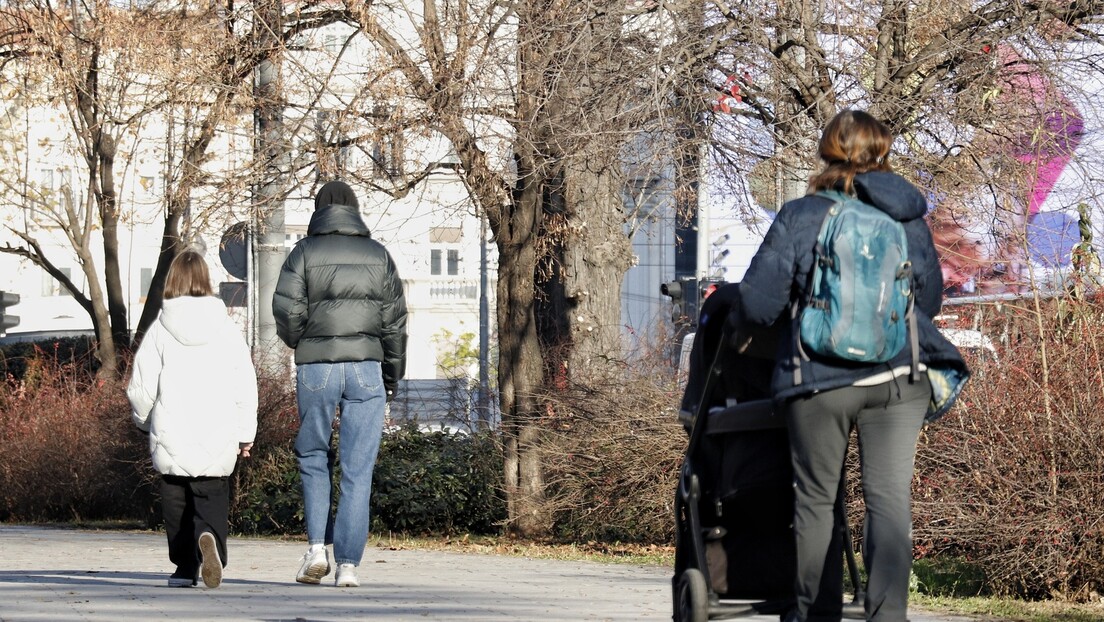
{"points": [[673, 290], [8, 299], [688, 294], [684, 295], [707, 287]]}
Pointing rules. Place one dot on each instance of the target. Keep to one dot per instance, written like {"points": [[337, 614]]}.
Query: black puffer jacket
{"points": [[339, 297], [779, 273]]}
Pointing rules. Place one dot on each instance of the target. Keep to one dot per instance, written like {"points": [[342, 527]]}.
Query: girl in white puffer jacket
{"points": [[193, 388]]}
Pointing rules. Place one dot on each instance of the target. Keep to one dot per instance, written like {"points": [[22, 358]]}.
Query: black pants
{"points": [[191, 506]]}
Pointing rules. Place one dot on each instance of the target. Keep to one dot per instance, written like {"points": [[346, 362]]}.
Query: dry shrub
{"points": [[266, 497], [612, 454], [1009, 485], [70, 451], [277, 411], [1012, 480]]}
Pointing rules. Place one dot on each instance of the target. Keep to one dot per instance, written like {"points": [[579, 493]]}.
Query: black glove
{"points": [[390, 388]]}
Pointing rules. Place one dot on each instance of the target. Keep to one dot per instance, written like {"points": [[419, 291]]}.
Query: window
{"points": [[49, 185], [51, 286], [451, 261], [45, 199], [53, 183], [387, 148], [146, 280], [331, 147], [435, 262], [332, 42], [452, 265], [643, 199], [444, 253], [292, 235]]}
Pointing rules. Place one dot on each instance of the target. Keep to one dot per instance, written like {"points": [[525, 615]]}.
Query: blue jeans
{"points": [[357, 387]]}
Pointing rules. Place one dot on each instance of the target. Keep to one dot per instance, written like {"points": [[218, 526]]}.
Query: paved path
{"points": [[59, 575]]}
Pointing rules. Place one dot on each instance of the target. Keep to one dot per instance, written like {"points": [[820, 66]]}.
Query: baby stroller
{"points": [[734, 544]]}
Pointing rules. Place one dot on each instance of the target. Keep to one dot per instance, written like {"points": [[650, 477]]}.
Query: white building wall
{"points": [[435, 216]]}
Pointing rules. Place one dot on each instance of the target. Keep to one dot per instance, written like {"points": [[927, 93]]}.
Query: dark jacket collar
{"points": [[337, 218], [892, 194]]}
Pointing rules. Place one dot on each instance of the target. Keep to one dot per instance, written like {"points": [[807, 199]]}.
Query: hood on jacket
{"points": [[892, 194], [194, 320], [335, 192], [336, 218], [336, 211]]}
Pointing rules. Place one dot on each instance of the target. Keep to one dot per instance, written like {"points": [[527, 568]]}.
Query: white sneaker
{"points": [[211, 567], [315, 565], [347, 576]]}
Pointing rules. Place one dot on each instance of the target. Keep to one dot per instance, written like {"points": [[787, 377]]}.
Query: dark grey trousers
{"points": [[888, 417]]}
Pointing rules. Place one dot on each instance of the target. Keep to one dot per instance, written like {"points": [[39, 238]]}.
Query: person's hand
{"points": [[737, 333], [243, 449]]}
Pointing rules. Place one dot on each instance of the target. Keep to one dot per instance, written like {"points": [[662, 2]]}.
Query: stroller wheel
{"points": [[693, 598]]}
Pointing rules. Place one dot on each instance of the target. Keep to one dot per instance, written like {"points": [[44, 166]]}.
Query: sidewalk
{"points": [[62, 574]]}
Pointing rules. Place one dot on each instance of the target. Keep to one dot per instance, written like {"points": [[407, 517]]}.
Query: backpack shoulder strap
{"points": [[836, 197]]}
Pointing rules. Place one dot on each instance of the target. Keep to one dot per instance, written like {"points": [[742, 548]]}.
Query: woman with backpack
{"points": [[823, 396]]}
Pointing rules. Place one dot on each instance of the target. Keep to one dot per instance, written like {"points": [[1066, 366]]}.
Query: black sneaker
{"points": [[182, 579]]}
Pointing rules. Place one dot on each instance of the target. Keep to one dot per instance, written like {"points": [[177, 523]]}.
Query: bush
{"points": [[612, 453], [70, 452], [1012, 481], [423, 482], [266, 497], [438, 482], [77, 353]]}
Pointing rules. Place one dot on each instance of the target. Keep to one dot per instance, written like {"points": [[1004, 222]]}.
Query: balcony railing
{"points": [[431, 291]]}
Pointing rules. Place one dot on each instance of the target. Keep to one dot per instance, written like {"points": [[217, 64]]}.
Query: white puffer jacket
{"points": [[194, 389]]}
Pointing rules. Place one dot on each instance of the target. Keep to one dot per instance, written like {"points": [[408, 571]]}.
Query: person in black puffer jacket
{"points": [[339, 303], [830, 396]]}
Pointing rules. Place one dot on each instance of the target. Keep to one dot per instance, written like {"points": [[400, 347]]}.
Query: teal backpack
{"points": [[859, 303]]}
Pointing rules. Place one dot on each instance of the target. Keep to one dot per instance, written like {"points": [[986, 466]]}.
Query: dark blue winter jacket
{"points": [[779, 274]]}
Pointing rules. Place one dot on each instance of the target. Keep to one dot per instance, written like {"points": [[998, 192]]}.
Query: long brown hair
{"points": [[853, 142], [188, 276]]}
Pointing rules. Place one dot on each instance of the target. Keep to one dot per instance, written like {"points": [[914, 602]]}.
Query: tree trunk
{"points": [[595, 258], [106, 351], [557, 221], [596, 250], [99, 152], [109, 220], [520, 365]]}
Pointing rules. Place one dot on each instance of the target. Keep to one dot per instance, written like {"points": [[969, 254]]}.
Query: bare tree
{"points": [[928, 69], [540, 101], [115, 71], [68, 51]]}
